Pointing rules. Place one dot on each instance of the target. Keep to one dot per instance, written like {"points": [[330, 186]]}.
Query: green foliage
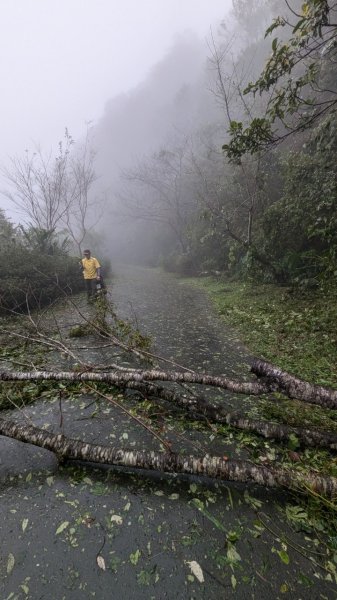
{"points": [[296, 73], [295, 331], [7, 231], [106, 322], [30, 275], [45, 241], [300, 230], [208, 244], [249, 139], [24, 393], [272, 217]]}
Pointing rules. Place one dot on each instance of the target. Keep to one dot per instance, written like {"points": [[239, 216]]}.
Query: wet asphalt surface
{"points": [[72, 531]]}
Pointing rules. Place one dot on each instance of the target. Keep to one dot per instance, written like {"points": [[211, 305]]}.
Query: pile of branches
{"points": [[151, 383]]}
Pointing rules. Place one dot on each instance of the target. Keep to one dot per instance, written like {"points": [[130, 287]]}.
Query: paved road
{"points": [[159, 537]]}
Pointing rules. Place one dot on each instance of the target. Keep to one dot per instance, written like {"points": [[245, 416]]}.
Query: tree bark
{"points": [[295, 387], [210, 466], [120, 377], [198, 408], [195, 406]]}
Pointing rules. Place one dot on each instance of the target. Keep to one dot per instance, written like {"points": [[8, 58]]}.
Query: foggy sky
{"points": [[62, 61]]}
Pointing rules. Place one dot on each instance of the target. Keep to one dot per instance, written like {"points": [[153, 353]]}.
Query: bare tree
{"points": [[83, 208], [40, 186], [233, 194], [54, 192], [157, 190]]}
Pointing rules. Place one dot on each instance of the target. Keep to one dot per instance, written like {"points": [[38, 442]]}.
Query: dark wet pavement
{"points": [[73, 532]]}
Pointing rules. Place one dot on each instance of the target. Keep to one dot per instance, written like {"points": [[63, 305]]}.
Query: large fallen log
{"points": [[293, 386], [198, 408], [210, 466]]}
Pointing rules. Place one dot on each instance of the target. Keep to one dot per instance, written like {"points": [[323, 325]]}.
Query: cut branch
{"points": [[210, 466]]}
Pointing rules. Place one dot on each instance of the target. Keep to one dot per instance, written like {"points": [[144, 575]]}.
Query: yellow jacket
{"points": [[90, 266]]}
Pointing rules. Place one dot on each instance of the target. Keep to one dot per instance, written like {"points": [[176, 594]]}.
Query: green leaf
{"points": [[134, 557], [298, 25], [232, 554], [10, 563], [25, 588], [200, 506], [144, 577], [284, 556], [293, 442], [24, 525], [62, 527]]}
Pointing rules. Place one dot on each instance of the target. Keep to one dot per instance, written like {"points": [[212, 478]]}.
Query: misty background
{"points": [[133, 77], [114, 119]]}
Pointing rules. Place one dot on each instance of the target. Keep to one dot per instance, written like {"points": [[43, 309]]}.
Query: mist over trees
{"points": [[53, 195], [188, 161], [222, 159], [161, 112]]}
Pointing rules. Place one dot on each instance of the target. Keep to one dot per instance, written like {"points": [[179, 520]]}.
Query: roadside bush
{"points": [[29, 275], [182, 264], [300, 229], [28, 279]]}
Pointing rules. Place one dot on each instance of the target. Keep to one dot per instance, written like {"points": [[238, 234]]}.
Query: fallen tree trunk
{"points": [[120, 377], [200, 409], [295, 387], [275, 379], [135, 379], [210, 466]]}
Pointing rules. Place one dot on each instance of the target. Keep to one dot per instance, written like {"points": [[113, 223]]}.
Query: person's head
{"points": [[86, 253]]}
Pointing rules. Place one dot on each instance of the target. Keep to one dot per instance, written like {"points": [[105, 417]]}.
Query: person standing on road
{"points": [[91, 272]]}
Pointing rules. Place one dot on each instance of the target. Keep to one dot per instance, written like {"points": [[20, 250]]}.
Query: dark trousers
{"points": [[90, 285]]}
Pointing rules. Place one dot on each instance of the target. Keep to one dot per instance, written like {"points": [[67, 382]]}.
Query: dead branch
{"points": [[111, 400]]}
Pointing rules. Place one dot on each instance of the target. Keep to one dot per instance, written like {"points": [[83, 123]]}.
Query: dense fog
{"points": [[188, 161], [168, 106], [177, 105], [108, 70]]}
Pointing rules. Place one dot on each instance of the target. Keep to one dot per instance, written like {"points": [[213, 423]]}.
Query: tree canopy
{"points": [[298, 78]]}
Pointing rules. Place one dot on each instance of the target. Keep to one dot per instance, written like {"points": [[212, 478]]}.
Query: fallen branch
{"points": [[201, 410], [140, 353], [196, 407], [120, 377], [140, 422], [295, 387], [210, 466]]}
